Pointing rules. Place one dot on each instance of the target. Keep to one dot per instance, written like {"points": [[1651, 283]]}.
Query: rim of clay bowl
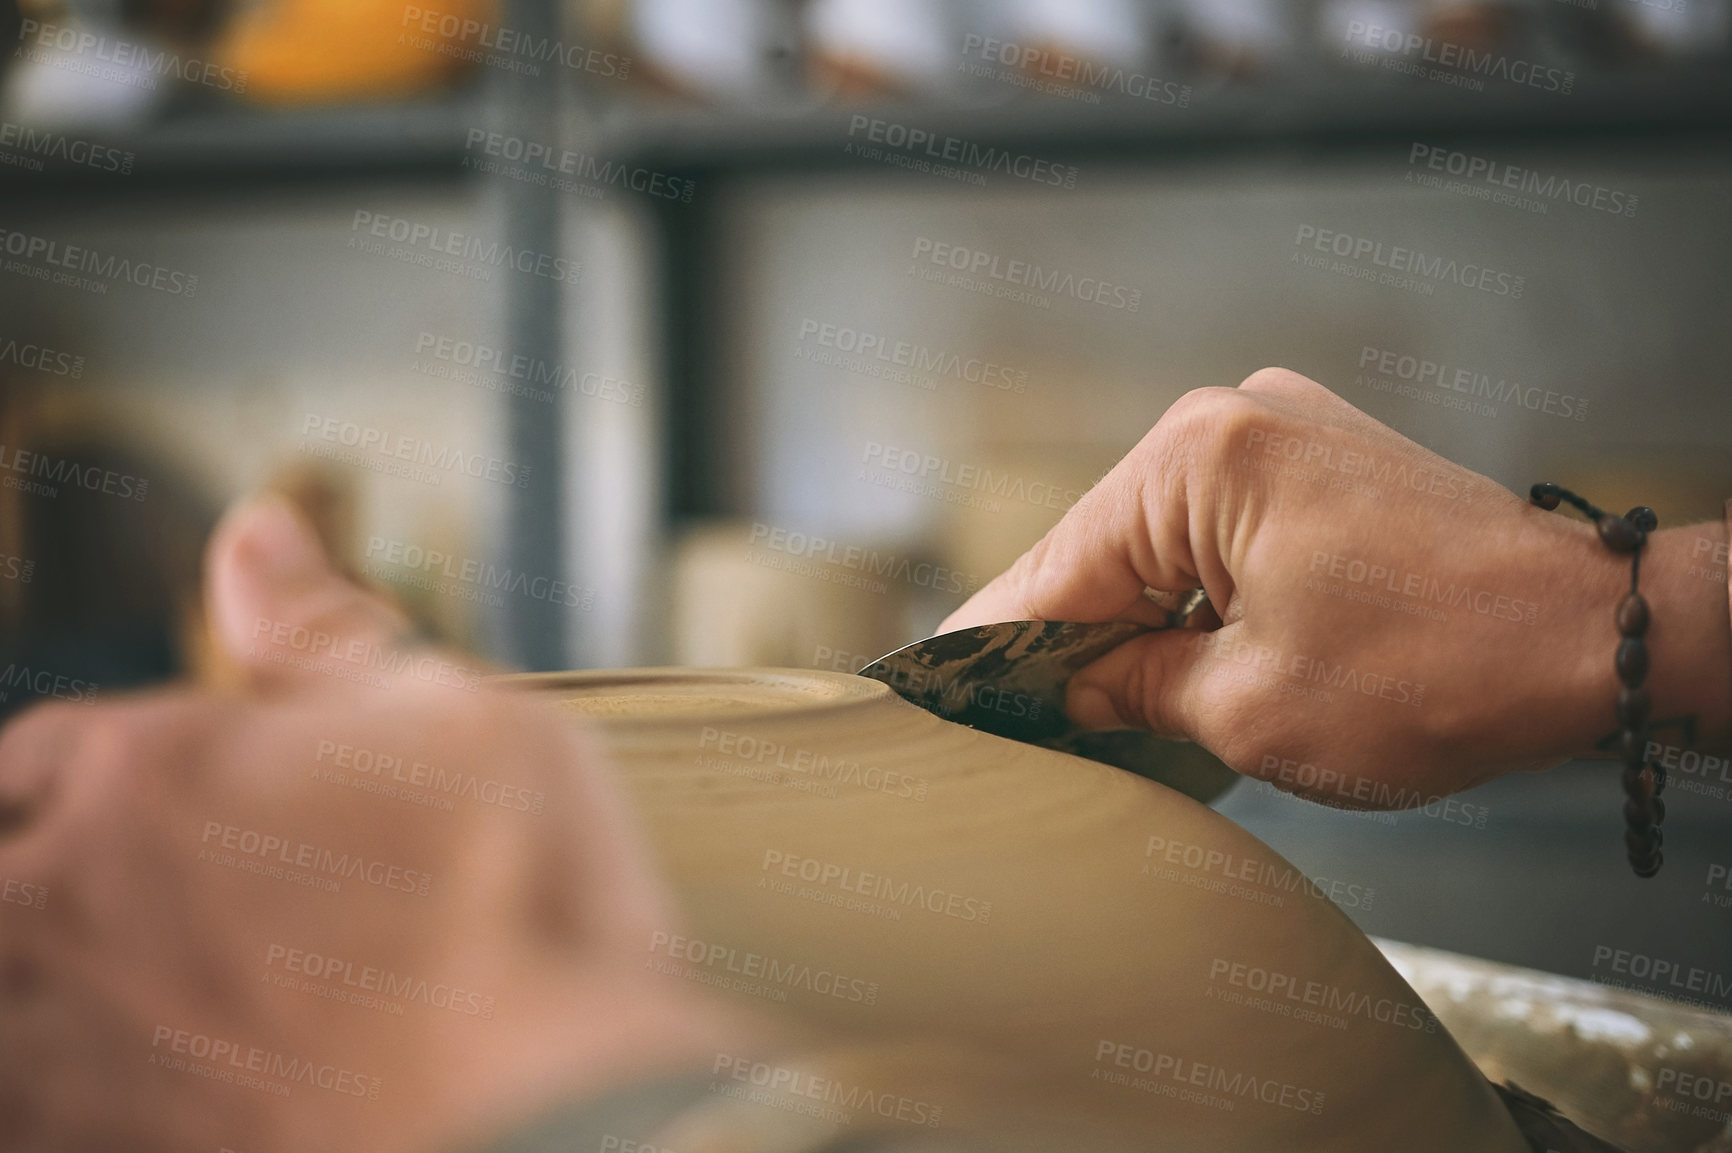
{"points": [[618, 696]]}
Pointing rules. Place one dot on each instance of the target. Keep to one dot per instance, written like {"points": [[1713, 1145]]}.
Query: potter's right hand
{"points": [[1394, 624]]}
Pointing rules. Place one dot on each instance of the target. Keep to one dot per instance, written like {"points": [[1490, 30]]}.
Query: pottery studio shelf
{"points": [[239, 145]]}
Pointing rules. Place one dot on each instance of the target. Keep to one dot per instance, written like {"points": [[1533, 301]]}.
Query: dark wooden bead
{"points": [[1659, 804], [1632, 661], [1619, 534], [1633, 615], [1638, 815], [1648, 866], [1638, 783], [1634, 706], [1643, 518], [1659, 774], [1544, 495], [1633, 748]]}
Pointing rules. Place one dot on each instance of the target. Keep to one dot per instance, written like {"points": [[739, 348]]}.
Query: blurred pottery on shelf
{"points": [[321, 51]]}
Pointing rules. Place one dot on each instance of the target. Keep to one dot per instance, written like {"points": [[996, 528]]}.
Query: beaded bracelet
{"points": [[1644, 810]]}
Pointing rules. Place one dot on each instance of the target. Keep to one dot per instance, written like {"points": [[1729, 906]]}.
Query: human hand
{"points": [[1394, 626], [413, 902]]}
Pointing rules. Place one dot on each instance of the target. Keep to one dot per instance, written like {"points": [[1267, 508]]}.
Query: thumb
{"points": [[279, 611], [1155, 681]]}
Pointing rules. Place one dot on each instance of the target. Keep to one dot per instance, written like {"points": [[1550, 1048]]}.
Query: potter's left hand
{"points": [[362, 903]]}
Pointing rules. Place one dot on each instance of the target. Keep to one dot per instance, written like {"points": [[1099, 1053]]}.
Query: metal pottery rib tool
{"points": [[1009, 680]]}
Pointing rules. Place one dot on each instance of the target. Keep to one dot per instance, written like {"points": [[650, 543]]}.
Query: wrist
{"points": [[1689, 639]]}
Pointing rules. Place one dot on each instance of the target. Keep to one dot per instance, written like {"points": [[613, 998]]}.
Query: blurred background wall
{"points": [[553, 315]]}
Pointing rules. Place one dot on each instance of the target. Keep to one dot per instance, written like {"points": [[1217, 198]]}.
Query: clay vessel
{"points": [[1012, 928]]}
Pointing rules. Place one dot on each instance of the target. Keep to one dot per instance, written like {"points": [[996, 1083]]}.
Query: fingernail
{"points": [[1092, 708], [279, 541]]}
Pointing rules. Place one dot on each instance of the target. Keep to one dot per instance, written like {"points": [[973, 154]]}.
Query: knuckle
{"points": [[1200, 405], [1201, 428], [1279, 380]]}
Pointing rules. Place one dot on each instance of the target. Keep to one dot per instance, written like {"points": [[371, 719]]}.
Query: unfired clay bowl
{"points": [[1004, 929]]}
